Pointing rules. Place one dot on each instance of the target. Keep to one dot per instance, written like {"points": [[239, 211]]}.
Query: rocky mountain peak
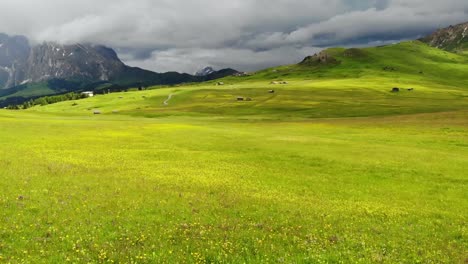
{"points": [[14, 52], [452, 38], [205, 71], [78, 61], [22, 63]]}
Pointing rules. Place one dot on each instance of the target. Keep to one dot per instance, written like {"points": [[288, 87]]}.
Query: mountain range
{"points": [[30, 71], [49, 68]]}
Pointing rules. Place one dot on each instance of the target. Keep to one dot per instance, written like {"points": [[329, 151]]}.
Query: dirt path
{"points": [[168, 99]]}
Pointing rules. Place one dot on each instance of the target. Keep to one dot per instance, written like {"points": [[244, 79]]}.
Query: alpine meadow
{"points": [[352, 155]]}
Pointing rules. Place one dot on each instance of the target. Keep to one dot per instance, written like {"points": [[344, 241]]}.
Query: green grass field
{"points": [[331, 168]]}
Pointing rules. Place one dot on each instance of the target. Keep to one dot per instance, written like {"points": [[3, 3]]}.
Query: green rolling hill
{"points": [[358, 82]]}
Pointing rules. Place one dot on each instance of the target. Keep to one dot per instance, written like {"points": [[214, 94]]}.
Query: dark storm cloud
{"points": [[185, 35]]}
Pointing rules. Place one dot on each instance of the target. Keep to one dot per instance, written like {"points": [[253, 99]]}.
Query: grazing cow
{"points": [[96, 112], [410, 89], [240, 98], [271, 91], [395, 90]]}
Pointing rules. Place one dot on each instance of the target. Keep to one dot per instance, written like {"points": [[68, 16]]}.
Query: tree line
{"points": [[46, 100]]}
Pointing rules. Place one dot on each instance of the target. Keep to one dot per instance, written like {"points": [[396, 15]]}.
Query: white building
{"points": [[88, 94]]}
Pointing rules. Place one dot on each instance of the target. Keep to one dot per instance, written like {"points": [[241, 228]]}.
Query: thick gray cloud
{"points": [[184, 35]]}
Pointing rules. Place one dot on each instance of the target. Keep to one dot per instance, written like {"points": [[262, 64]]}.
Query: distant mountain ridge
{"points": [[72, 67], [205, 71], [23, 67], [452, 38], [22, 63]]}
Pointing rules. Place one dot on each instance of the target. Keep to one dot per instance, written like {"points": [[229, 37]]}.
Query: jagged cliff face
{"points": [[453, 38], [20, 63], [14, 52], [82, 62]]}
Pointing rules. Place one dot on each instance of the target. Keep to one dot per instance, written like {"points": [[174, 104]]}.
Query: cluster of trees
{"points": [[46, 100]]}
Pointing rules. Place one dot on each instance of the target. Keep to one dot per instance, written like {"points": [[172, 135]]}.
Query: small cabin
{"points": [[88, 94]]}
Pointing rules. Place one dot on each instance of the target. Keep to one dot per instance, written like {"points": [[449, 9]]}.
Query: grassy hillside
{"points": [[19, 94], [360, 85], [178, 189], [331, 168], [298, 100], [408, 62]]}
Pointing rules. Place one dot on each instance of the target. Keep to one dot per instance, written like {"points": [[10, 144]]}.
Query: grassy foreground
{"points": [[175, 190], [325, 170]]}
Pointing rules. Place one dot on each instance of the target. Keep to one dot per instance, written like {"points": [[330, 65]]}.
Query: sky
{"points": [[247, 35]]}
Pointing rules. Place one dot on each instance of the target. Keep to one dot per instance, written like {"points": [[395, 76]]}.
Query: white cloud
{"points": [[191, 60], [229, 33]]}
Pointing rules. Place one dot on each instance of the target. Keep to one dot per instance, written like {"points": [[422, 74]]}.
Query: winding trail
{"points": [[168, 99]]}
